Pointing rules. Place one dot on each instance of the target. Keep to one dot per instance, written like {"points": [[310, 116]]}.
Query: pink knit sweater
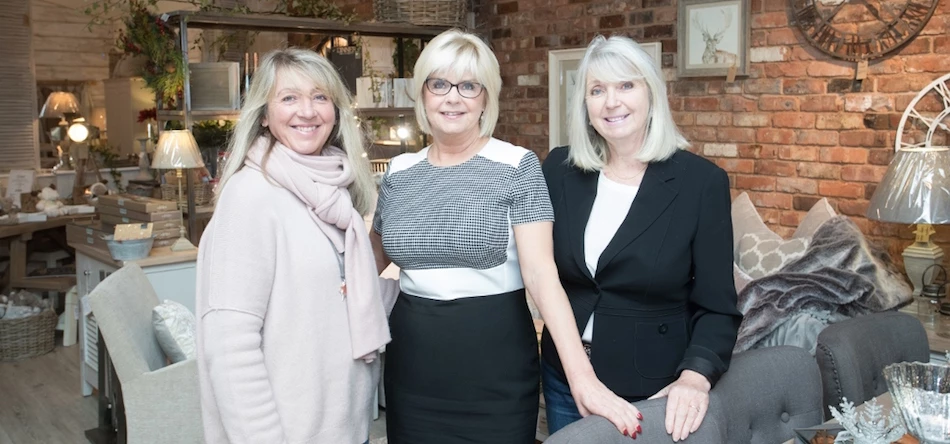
{"points": [[274, 357]]}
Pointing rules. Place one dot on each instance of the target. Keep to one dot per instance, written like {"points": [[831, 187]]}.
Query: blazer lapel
{"points": [[655, 195], [580, 189]]}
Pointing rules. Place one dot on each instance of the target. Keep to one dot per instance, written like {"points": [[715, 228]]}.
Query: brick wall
{"points": [[796, 130]]}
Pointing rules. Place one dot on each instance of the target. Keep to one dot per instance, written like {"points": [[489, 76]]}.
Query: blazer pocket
{"points": [[660, 346]]}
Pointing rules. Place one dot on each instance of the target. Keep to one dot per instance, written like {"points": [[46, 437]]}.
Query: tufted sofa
{"points": [[769, 392]]}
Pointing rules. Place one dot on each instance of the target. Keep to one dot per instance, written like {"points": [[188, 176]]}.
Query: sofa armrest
{"points": [[164, 405]]}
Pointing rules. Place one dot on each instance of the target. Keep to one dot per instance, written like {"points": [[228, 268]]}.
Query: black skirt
{"points": [[462, 371]]}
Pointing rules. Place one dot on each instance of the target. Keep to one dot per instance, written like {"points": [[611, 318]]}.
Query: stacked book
{"points": [[164, 215]]}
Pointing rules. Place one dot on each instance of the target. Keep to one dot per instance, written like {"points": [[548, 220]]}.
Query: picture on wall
{"points": [[713, 36]]}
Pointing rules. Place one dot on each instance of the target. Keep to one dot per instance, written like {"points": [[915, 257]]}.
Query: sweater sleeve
{"points": [[239, 267]]}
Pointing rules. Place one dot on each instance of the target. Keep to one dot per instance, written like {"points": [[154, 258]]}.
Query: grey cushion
{"points": [[852, 354], [175, 330], [764, 396]]}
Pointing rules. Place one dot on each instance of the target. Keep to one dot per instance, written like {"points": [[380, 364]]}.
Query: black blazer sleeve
{"points": [[715, 320]]}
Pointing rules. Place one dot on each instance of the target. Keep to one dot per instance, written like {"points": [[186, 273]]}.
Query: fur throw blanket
{"points": [[840, 276]]}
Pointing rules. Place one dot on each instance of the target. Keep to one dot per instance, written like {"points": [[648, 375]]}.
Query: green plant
{"points": [[110, 160], [410, 53], [212, 134], [147, 35]]}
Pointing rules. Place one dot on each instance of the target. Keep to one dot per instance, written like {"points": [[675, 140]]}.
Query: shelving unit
{"points": [[185, 20]]}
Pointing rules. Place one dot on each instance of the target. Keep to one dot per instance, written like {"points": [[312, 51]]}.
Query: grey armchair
{"points": [[852, 354], [765, 395], [161, 402]]}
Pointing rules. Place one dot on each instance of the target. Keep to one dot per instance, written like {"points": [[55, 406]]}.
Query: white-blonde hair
{"points": [[346, 134], [620, 59], [460, 53]]}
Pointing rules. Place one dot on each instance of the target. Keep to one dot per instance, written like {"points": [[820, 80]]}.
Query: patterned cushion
{"points": [[175, 330], [746, 220], [760, 257]]}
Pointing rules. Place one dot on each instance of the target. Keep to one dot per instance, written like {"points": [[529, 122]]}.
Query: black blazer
{"points": [[663, 290]]}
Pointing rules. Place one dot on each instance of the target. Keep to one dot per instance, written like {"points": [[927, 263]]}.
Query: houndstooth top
{"points": [[449, 229]]}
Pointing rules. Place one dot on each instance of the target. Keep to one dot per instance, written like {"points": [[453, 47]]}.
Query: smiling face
{"points": [[299, 115], [451, 115], [618, 110]]}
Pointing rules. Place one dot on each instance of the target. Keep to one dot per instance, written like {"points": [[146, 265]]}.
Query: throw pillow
{"points": [[746, 220], [760, 257], [819, 213], [174, 328], [740, 277]]}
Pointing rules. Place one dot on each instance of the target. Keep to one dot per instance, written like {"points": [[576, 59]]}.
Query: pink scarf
{"points": [[320, 183]]}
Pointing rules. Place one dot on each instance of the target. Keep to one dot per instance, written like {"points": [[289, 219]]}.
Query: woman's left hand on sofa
{"points": [[686, 404]]}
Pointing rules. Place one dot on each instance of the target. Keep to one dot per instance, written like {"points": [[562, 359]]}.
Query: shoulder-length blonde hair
{"points": [[346, 132], [459, 53], [619, 59]]}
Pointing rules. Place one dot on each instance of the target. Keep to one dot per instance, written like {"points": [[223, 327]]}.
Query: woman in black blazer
{"points": [[642, 243]]}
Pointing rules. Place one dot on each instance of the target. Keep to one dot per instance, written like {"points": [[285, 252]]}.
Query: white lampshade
{"points": [[177, 149], [60, 103], [915, 189]]}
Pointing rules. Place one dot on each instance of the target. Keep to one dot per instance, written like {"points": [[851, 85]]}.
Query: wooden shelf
{"points": [[282, 23]]}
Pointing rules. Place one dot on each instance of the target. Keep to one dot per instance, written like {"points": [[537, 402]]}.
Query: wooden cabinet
{"points": [[172, 275]]}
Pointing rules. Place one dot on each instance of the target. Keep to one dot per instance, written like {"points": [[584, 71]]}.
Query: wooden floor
{"points": [[41, 401]]}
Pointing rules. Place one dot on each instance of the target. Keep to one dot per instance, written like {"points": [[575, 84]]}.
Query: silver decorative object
{"points": [[868, 427], [921, 392]]}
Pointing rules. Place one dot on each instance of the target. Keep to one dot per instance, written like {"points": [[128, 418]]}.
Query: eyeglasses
{"points": [[441, 87]]}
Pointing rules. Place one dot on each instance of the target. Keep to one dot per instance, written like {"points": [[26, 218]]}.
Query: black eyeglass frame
{"points": [[481, 88]]}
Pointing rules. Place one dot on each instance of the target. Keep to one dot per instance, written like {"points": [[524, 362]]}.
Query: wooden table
{"points": [[19, 235]]}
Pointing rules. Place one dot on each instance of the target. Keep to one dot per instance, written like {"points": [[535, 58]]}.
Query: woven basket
{"points": [[420, 12], [202, 193], [27, 337]]}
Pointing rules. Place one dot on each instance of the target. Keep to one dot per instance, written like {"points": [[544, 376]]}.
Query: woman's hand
{"points": [[594, 398], [686, 404]]}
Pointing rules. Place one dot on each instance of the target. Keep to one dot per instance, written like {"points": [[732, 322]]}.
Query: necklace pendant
{"points": [[343, 289]]}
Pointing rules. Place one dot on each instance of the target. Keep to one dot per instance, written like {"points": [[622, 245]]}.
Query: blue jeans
{"points": [[558, 403]]}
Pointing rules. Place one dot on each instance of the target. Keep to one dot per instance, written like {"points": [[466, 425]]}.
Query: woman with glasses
{"points": [[643, 245], [468, 221]]}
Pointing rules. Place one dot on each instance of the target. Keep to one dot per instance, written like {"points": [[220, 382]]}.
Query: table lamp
{"points": [[63, 105], [178, 149], [916, 190]]}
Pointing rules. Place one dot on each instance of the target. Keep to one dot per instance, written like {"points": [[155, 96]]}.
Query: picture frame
{"points": [[562, 73], [712, 37]]}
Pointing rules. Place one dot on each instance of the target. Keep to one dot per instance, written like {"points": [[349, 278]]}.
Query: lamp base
{"points": [[917, 257], [182, 244]]}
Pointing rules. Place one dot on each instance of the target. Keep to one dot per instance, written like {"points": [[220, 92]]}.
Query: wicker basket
{"points": [[27, 337], [202, 193], [421, 12]]}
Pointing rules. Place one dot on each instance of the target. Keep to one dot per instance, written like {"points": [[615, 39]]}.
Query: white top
{"points": [[449, 229], [610, 209]]}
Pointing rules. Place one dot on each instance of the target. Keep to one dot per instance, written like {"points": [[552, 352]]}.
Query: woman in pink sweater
{"points": [[288, 302]]}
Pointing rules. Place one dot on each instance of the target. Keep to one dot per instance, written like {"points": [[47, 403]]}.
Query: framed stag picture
{"points": [[562, 77], [712, 38]]}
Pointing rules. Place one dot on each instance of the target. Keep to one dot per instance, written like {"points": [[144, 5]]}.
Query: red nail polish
{"points": [[634, 436], [625, 432], [639, 430], [640, 416]]}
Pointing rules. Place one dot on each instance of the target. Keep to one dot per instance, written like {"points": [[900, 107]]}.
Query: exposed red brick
{"points": [[843, 155], [819, 170], [735, 135], [775, 168], [783, 36], [778, 103], [821, 103], [777, 136], [771, 200], [701, 104], [835, 121], [804, 203], [763, 86], [927, 63], [699, 133], [796, 185], [793, 120], [737, 104], [863, 173], [756, 151], [835, 68], [792, 218], [840, 189], [713, 119], [941, 44], [785, 69], [751, 119], [795, 152], [803, 86], [755, 183], [770, 20], [736, 165], [684, 119]]}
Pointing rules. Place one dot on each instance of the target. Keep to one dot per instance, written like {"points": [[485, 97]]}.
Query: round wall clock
{"points": [[860, 30]]}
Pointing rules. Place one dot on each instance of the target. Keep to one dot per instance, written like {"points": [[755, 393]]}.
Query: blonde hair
{"points": [[620, 59], [346, 133], [459, 53]]}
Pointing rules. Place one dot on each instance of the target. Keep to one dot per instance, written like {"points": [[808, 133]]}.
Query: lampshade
{"points": [[915, 188], [177, 149], [60, 103]]}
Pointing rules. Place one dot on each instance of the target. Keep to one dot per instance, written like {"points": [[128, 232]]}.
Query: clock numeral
{"points": [[824, 34], [916, 13], [807, 15]]}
